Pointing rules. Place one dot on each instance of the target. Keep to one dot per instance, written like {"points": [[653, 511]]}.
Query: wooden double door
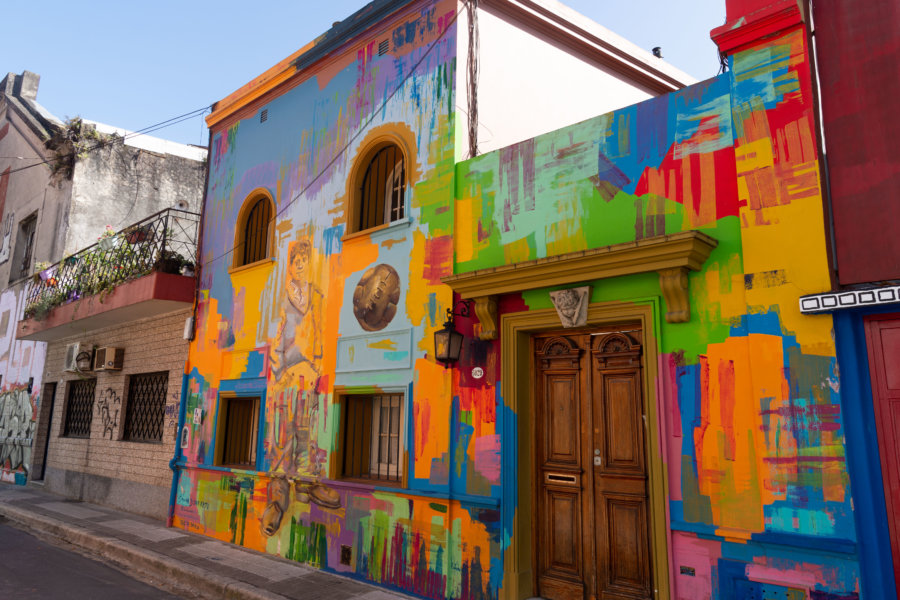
{"points": [[591, 522]]}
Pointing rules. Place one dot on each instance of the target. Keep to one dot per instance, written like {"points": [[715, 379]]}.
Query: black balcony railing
{"points": [[165, 241]]}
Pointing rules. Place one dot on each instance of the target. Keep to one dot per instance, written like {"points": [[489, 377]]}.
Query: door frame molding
{"points": [[517, 456]]}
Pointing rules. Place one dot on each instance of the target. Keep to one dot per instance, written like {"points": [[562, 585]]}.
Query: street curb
{"points": [[136, 559]]}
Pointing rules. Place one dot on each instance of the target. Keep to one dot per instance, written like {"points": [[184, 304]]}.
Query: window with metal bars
{"points": [[238, 423], [383, 189], [372, 437], [254, 245], [145, 407], [79, 408], [21, 266]]}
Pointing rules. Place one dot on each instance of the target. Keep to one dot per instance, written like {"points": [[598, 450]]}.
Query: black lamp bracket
{"points": [[462, 308]]}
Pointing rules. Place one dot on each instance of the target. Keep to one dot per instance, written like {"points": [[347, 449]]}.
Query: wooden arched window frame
{"points": [[253, 230], [376, 187], [381, 188]]}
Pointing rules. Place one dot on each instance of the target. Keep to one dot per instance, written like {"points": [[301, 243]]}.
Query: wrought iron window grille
{"points": [[79, 408], [145, 407]]}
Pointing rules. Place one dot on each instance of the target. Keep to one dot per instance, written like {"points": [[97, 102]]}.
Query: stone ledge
{"points": [[671, 256]]}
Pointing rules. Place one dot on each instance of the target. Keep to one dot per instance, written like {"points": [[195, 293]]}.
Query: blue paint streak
{"points": [[255, 363], [331, 240], [397, 355]]}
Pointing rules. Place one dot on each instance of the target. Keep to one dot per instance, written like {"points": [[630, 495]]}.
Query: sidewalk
{"points": [[193, 566]]}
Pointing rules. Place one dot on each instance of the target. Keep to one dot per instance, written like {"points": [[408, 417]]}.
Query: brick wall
{"points": [[151, 345]]}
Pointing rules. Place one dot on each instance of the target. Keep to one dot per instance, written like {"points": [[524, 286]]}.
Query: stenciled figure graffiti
{"points": [[295, 361], [298, 342]]}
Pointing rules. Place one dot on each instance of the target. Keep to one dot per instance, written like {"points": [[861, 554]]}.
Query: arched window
{"points": [[381, 195], [253, 230]]}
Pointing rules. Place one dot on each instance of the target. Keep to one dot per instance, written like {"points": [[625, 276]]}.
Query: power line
{"points": [[130, 134], [353, 138]]}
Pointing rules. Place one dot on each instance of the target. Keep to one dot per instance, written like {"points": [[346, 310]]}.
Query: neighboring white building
{"points": [[51, 205], [542, 65]]}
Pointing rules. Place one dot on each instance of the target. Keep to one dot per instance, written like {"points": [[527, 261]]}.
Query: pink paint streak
{"points": [[487, 457]]}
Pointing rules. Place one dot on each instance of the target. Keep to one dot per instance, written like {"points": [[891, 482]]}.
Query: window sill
{"points": [[260, 263], [387, 227], [365, 484]]}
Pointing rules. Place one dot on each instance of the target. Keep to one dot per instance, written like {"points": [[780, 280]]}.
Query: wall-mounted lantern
{"points": [[448, 341]]}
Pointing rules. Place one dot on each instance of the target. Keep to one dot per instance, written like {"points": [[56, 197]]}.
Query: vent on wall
{"points": [[109, 359], [383, 47], [264, 115], [346, 554], [71, 353]]}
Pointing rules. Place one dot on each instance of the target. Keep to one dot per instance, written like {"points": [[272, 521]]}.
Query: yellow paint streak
{"points": [[517, 251], [465, 230], [204, 352], [418, 287], [387, 344], [795, 243], [248, 317]]}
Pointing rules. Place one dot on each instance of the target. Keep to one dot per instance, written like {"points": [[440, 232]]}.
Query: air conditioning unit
{"points": [[71, 352], [109, 359]]}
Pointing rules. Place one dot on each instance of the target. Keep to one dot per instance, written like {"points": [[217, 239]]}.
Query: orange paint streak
{"points": [[431, 388], [742, 375]]}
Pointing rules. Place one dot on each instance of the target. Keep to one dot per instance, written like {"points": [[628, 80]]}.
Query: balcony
{"points": [[144, 270]]}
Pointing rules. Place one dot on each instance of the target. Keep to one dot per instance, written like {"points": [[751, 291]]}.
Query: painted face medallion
{"points": [[376, 296]]}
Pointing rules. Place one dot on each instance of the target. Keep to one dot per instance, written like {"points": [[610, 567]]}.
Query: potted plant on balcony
{"points": [[137, 234], [107, 239], [41, 271], [169, 261]]}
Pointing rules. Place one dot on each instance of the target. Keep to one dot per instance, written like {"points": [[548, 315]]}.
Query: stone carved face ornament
{"points": [[571, 305], [376, 296]]}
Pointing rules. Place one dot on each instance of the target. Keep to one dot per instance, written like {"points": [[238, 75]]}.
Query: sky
{"points": [[137, 64]]}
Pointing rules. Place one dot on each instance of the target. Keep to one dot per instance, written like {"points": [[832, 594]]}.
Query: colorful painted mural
{"points": [[749, 398], [748, 413], [339, 314]]}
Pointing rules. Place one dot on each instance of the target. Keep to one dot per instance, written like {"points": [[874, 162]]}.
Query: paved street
{"points": [[35, 569], [195, 566]]}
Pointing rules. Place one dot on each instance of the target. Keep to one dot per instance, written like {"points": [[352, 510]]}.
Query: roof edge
{"points": [[592, 39], [339, 34]]}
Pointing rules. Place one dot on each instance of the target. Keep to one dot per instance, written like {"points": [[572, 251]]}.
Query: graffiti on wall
{"points": [[16, 430], [19, 362], [108, 405]]}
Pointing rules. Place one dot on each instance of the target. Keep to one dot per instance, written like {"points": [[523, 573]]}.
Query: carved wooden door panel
{"points": [[591, 504], [562, 551], [620, 469]]}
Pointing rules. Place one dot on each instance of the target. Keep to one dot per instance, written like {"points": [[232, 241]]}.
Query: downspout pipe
{"points": [[175, 463]]}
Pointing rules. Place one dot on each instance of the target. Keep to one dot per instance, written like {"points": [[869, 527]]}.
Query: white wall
{"points": [[530, 84]]}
